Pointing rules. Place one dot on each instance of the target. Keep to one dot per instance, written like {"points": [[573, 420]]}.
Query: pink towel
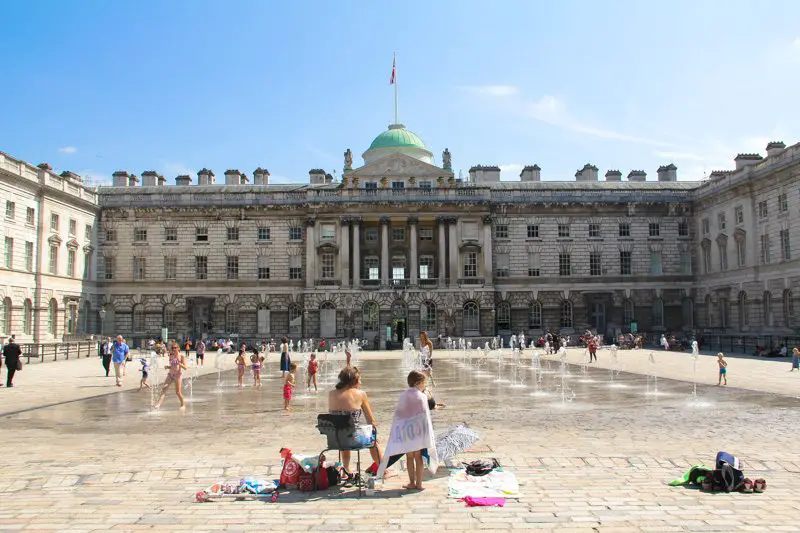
{"points": [[473, 501]]}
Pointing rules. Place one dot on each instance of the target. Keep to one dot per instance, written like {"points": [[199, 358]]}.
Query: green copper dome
{"points": [[397, 136]]}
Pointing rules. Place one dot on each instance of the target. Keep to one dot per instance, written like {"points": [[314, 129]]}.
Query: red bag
{"points": [[305, 483], [290, 475]]}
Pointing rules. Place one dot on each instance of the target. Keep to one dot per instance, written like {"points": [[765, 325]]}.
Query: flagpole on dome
{"points": [[393, 81]]}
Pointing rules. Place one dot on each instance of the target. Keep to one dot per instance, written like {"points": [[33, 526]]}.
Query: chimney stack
{"points": [[637, 175], [774, 148], [120, 178], [668, 173], [133, 180], [745, 160], [587, 173], [233, 177], [261, 176], [481, 174], [531, 173], [183, 180], [161, 181], [205, 177], [316, 176], [613, 175], [149, 178]]}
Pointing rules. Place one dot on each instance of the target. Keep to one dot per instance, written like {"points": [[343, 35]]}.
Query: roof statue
{"points": [[446, 164], [348, 160]]}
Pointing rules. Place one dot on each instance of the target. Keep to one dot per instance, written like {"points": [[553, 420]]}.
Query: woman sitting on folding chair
{"points": [[348, 399]]}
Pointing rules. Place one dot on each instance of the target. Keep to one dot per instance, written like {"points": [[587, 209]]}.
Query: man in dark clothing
{"points": [[11, 353], [105, 353]]}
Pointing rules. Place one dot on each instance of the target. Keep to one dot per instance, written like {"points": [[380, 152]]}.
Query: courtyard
{"points": [[593, 450]]}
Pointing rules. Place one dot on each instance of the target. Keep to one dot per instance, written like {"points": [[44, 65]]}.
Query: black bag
{"points": [[726, 478], [480, 467], [333, 476], [19, 365]]}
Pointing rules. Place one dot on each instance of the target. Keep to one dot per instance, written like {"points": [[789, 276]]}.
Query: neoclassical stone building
{"points": [[401, 242]]}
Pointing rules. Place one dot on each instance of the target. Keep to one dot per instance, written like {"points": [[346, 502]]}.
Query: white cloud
{"points": [[500, 91], [67, 149], [510, 172]]}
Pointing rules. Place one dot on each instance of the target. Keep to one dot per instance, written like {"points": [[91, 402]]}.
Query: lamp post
{"points": [[102, 320]]}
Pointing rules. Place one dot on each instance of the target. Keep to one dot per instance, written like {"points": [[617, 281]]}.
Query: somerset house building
{"points": [[398, 246]]}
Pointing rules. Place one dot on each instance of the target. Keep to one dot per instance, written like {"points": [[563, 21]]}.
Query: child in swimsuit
{"points": [[145, 372], [312, 372], [177, 364], [288, 386], [240, 368], [256, 361], [723, 369]]}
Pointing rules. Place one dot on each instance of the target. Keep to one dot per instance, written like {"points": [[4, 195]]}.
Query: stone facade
{"points": [[400, 242]]}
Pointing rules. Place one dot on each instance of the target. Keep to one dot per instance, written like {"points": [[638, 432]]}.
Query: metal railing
{"points": [[60, 351]]}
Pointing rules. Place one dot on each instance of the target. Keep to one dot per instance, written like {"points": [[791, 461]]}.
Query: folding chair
{"points": [[342, 434]]}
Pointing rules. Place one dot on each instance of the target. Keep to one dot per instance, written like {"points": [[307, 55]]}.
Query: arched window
{"points": [[687, 312], [295, 321], [788, 308], [658, 313], [427, 317], [52, 317], [138, 318], [5, 316], [231, 319], [504, 316], [535, 316], [744, 311], [566, 314], [766, 303], [471, 318], [27, 317], [628, 314], [168, 318], [370, 313]]}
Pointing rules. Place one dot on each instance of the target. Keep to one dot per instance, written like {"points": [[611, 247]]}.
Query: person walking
{"points": [[11, 353], [200, 353], [119, 355], [795, 359], [106, 348]]}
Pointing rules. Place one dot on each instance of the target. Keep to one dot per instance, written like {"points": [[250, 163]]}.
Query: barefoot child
{"points": [[145, 372], [312, 372], [177, 364], [256, 361], [723, 369], [240, 368], [288, 386]]}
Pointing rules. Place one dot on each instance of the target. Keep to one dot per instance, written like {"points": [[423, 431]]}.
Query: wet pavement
{"points": [[593, 451]]}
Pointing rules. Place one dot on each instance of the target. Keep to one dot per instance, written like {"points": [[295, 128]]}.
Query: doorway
{"points": [[399, 321], [327, 321], [598, 317]]}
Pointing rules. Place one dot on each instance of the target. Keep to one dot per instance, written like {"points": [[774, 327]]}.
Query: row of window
{"points": [[767, 318], [55, 220], [6, 317], [738, 214], [595, 230], [52, 266], [765, 251]]}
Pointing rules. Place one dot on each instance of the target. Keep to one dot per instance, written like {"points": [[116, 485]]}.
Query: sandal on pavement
{"points": [[759, 485], [746, 486]]}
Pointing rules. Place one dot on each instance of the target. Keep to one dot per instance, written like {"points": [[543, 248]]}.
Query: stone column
{"points": [[356, 221], [442, 274], [453, 252], [412, 222], [384, 251], [344, 252], [488, 273], [311, 254]]}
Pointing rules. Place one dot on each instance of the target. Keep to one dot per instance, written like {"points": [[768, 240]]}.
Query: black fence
{"points": [[43, 353]]}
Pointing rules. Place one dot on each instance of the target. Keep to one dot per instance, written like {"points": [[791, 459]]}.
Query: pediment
{"points": [[72, 244], [399, 166], [54, 240]]}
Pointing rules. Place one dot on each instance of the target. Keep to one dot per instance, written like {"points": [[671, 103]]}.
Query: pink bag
{"points": [[473, 501]]}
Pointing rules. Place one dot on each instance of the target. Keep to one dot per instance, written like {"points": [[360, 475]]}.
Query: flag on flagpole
{"points": [[394, 71]]}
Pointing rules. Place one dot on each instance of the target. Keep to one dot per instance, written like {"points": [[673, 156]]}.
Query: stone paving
{"points": [[598, 463]]}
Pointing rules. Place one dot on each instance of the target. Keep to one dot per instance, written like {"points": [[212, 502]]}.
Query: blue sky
{"points": [[97, 86]]}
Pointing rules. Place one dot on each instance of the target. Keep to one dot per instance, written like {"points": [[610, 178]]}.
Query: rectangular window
{"points": [[534, 265], [425, 184], [139, 268], [200, 267], [783, 203], [398, 267], [201, 235], [232, 266], [170, 268], [30, 216], [371, 235], [763, 209], [232, 234], [371, 268], [398, 185], [9, 252], [371, 188], [296, 233], [765, 251], [263, 234], [54, 222], [296, 267], [786, 250], [29, 256], [87, 266], [71, 263], [741, 252], [108, 266], [655, 263], [722, 248], [624, 229], [398, 234], [721, 221], [738, 214], [706, 259], [501, 231], [563, 230], [564, 264], [471, 265], [426, 234], [328, 270], [87, 233], [52, 264], [469, 231], [706, 226], [595, 264], [533, 231], [263, 267], [502, 265], [139, 235], [686, 261], [683, 228], [654, 229], [625, 263], [426, 267], [328, 232], [73, 226], [11, 209], [171, 234], [594, 230], [111, 235]]}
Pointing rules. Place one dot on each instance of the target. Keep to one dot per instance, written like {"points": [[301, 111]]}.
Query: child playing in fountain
{"points": [[240, 367], [723, 369], [145, 372], [312, 372], [288, 386], [256, 360]]}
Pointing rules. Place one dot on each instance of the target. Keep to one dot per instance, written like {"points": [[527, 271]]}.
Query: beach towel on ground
{"points": [[412, 430], [496, 484]]}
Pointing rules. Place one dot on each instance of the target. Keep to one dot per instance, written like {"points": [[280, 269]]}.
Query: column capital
{"points": [[310, 222], [356, 221], [384, 221], [413, 220], [345, 221], [451, 220], [487, 219], [446, 220]]}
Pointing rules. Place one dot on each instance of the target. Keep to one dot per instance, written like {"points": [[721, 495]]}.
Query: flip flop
{"points": [[746, 486], [759, 486]]}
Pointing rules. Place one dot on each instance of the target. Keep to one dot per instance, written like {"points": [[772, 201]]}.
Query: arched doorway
{"points": [[399, 320], [327, 320], [263, 318]]}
